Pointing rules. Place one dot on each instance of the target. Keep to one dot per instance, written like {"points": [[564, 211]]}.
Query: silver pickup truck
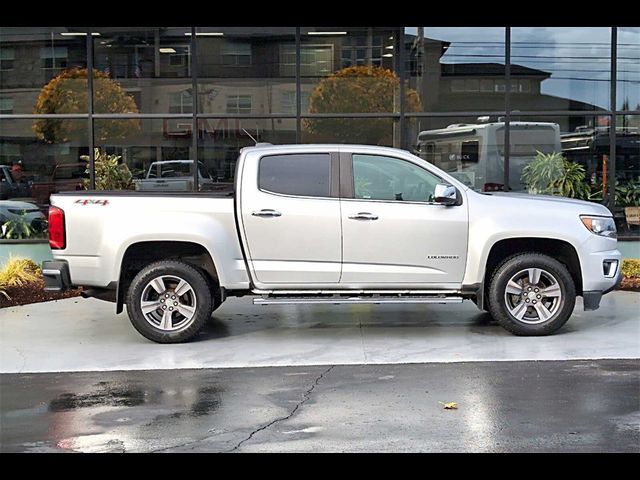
{"points": [[332, 224]]}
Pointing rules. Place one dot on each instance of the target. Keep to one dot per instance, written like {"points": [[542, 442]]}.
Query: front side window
{"points": [[384, 178], [307, 175]]}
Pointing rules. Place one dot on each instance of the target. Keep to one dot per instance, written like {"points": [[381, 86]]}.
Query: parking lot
{"points": [[76, 377]]}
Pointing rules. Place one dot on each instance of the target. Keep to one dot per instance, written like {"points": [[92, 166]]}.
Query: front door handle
{"points": [[364, 216], [266, 213]]}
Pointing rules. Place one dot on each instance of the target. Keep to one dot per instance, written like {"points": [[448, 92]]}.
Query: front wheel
{"points": [[169, 301], [531, 294]]}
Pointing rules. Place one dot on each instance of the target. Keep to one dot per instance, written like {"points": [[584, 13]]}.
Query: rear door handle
{"points": [[266, 213], [364, 216]]}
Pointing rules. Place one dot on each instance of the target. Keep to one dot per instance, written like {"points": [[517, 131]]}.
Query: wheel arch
{"points": [[140, 254], [560, 250]]}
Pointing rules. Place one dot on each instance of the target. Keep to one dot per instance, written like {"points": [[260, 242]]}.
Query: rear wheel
{"points": [[531, 294], [169, 301]]}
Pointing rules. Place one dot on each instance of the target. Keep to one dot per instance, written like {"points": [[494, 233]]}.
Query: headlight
{"points": [[603, 226]]}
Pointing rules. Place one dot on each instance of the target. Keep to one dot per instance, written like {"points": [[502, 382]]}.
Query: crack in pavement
{"points": [[364, 351], [305, 398]]}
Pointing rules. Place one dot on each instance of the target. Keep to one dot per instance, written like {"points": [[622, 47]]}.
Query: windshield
{"points": [[66, 172]]}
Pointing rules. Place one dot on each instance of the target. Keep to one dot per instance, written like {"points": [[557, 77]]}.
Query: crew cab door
{"points": [[394, 234], [291, 218]]}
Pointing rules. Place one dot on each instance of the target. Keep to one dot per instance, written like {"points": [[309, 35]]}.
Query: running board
{"points": [[352, 300]]}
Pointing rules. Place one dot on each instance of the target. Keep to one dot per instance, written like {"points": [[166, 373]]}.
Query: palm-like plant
{"points": [[552, 174], [17, 228]]}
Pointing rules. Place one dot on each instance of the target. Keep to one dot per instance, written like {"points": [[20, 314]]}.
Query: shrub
{"points": [[18, 272], [110, 173], [552, 174], [631, 268]]}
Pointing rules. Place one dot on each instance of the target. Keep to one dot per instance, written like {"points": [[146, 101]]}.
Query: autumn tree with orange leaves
{"points": [[362, 89], [68, 93]]}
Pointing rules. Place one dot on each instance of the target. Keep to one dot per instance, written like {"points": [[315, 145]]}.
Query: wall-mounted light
{"points": [[390, 47], [167, 50], [388, 55], [326, 33], [205, 34], [78, 34]]}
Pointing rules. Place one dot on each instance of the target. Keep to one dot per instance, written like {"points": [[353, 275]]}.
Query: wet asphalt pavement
{"points": [[551, 406]]}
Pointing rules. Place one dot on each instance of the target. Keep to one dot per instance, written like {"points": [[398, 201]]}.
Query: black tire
{"points": [[201, 289], [510, 267]]}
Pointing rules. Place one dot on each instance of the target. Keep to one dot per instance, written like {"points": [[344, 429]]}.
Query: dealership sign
{"points": [[207, 127]]}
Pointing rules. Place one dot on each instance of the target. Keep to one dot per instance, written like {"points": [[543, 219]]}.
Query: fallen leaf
{"points": [[449, 405]]}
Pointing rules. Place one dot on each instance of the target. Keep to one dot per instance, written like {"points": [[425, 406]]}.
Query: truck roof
{"points": [[318, 146]]}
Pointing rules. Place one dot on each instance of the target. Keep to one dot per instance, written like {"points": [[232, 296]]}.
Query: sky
{"points": [[579, 59]]}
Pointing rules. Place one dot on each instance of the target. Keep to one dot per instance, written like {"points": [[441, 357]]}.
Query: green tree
{"points": [[361, 89], [67, 93]]}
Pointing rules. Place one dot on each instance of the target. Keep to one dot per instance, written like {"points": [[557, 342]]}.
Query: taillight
{"points": [[493, 187], [57, 237]]}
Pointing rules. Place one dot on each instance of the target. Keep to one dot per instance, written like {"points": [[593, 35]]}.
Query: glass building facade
{"points": [[175, 105]]}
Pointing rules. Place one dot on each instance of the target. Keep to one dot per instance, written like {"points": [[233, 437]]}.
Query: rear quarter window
{"points": [[307, 175]]}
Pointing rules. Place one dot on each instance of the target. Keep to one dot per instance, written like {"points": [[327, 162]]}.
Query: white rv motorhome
{"points": [[474, 153]]}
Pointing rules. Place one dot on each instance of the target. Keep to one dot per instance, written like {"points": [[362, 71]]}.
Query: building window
{"points": [[236, 53], [486, 86], [174, 62], [289, 102], [6, 105], [7, 57], [357, 52], [524, 86], [180, 102], [53, 57], [315, 60], [177, 60], [239, 104]]}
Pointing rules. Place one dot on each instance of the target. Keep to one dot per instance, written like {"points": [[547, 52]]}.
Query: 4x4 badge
{"points": [[93, 202]]}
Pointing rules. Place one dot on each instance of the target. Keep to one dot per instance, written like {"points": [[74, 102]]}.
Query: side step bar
{"points": [[353, 300]]}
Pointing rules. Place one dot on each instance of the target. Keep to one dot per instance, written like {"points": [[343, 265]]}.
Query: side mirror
{"points": [[446, 194]]}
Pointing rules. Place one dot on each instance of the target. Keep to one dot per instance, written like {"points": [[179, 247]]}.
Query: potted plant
{"points": [[552, 174], [628, 196]]}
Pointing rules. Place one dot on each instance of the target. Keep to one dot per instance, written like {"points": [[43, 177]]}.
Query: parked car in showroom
{"points": [[11, 187], [333, 224], [15, 215], [174, 176], [65, 177]]}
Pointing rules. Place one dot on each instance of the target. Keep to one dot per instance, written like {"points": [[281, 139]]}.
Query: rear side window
{"points": [[307, 175]]}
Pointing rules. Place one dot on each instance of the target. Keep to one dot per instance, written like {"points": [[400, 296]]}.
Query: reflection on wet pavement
{"points": [[568, 406]]}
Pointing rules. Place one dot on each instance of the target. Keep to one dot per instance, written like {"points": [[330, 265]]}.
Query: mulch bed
{"points": [[33, 293], [631, 284]]}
